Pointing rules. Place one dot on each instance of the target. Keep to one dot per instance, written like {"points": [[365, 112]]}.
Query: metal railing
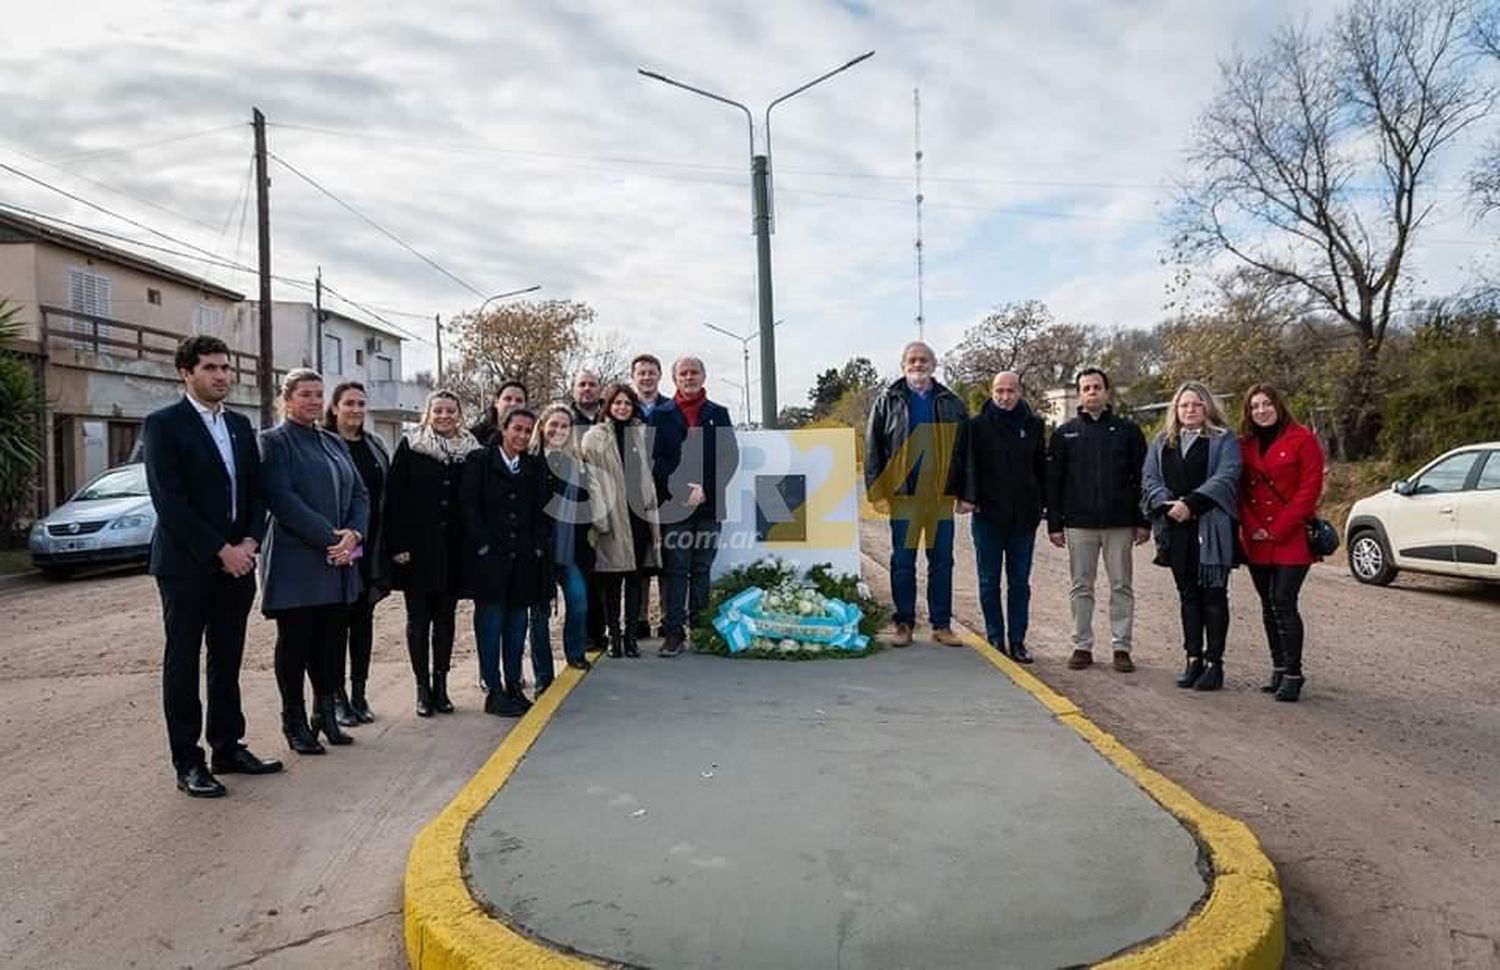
{"points": [[117, 338]]}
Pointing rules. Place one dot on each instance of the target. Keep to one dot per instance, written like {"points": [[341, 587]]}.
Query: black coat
{"points": [[888, 461], [507, 533], [707, 455], [190, 488], [1094, 473], [422, 519], [1001, 467]]}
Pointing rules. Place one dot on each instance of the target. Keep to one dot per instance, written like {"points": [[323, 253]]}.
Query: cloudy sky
{"points": [[514, 143]]}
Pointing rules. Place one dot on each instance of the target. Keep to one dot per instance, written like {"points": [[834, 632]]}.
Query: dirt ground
{"points": [[1377, 796]]}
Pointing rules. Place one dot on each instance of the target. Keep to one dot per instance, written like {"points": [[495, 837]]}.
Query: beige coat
{"points": [[614, 545]]}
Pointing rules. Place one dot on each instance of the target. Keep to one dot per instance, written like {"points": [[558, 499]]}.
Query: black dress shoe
{"points": [[502, 704], [518, 696], [239, 761], [581, 663], [197, 782], [1019, 653]]}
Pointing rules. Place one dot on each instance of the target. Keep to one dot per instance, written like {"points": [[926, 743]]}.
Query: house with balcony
{"points": [[343, 348], [102, 326]]}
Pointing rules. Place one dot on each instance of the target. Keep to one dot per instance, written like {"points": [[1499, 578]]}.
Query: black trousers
{"points": [[195, 610], [619, 586], [1205, 609], [1279, 587], [429, 632], [594, 583], [359, 622], [310, 641]]}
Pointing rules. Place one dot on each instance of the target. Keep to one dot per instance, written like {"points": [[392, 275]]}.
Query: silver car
{"points": [[109, 522]]}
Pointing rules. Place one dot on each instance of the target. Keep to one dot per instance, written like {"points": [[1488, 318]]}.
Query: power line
{"points": [[378, 227], [126, 149]]}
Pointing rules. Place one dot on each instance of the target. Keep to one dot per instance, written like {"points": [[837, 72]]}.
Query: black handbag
{"points": [[1322, 537]]}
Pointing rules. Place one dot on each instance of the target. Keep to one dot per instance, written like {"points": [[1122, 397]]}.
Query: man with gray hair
{"points": [[908, 446], [693, 511]]}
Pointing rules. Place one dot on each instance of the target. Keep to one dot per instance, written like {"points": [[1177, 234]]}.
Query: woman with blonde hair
{"points": [[422, 536], [572, 514], [627, 539], [1190, 489]]}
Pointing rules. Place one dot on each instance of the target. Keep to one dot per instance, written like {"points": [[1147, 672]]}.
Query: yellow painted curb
{"points": [[1242, 923], [446, 929]]}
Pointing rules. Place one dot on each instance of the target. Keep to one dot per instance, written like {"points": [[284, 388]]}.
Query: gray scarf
{"points": [[1216, 526]]}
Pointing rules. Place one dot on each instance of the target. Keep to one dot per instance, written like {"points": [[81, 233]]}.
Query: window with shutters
{"points": [[88, 293], [385, 368], [209, 320], [333, 354]]}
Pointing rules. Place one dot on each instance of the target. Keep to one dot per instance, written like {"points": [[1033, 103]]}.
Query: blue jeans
{"points": [[688, 549], [500, 634], [926, 525], [575, 593], [541, 641], [994, 548]]}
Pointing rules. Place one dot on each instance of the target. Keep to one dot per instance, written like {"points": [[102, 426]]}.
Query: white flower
{"points": [[863, 589]]}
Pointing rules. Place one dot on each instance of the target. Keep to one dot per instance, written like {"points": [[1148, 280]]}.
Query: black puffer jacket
{"points": [[1000, 465], [1094, 473]]}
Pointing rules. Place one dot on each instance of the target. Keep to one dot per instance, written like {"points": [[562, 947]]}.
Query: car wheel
{"points": [[1369, 559], [57, 574]]}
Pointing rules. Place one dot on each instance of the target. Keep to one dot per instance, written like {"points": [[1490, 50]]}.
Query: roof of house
{"points": [[16, 228], [383, 328]]}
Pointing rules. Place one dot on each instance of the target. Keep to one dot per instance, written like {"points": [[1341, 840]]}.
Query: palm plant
{"points": [[20, 411]]}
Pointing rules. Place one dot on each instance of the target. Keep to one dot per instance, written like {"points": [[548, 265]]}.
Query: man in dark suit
{"points": [[203, 470]]}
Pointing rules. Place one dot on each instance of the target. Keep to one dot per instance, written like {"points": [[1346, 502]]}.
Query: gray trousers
{"points": [[1084, 549]]}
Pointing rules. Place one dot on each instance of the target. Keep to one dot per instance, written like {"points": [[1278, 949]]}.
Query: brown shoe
{"points": [[947, 637], [902, 636], [1123, 663], [1080, 660]]}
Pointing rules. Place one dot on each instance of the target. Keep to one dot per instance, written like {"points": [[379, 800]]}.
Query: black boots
{"points": [[424, 699], [342, 712], [1191, 674], [1290, 688], [440, 701], [299, 737], [632, 649], [1212, 677], [326, 721], [616, 644], [358, 706]]}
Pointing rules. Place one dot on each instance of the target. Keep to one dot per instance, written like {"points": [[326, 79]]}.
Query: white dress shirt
{"points": [[218, 429]]}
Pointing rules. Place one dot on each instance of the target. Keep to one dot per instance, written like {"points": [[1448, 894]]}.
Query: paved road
{"points": [[1377, 796], [910, 809]]}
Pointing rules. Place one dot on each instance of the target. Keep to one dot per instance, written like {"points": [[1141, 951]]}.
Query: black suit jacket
{"points": [[190, 488]]}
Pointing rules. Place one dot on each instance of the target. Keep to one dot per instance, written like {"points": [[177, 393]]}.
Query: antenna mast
{"points": [[916, 101]]}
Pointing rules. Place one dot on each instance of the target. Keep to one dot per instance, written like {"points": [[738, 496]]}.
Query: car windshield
{"points": [[126, 482]]}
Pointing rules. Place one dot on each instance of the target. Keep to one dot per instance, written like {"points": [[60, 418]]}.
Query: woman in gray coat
{"points": [[1190, 490], [320, 512]]}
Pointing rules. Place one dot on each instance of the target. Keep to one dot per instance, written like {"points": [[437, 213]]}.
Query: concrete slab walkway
{"points": [[916, 808]]}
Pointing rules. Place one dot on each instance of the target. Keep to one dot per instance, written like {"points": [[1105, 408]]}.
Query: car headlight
{"points": [[38, 528], [131, 522]]}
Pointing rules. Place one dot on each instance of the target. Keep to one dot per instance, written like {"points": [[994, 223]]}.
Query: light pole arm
{"points": [[749, 117], [796, 91], [500, 296]]}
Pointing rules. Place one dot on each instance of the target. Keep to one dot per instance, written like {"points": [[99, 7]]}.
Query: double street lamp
{"points": [[744, 340], [760, 175]]}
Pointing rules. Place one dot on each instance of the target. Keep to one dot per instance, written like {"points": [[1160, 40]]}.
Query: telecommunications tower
{"points": [[916, 101]]}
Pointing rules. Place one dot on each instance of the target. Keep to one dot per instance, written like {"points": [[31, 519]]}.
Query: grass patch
{"points": [[14, 561]]}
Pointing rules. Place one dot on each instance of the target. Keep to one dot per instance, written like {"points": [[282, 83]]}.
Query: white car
{"points": [[1444, 519], [109, 522]]}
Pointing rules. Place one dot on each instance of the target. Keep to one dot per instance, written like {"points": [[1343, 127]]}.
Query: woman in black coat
{"points": [[346, 418], [507, 565], [422, 537], [319, 514]]}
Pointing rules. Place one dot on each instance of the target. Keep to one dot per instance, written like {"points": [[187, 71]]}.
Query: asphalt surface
{"points": [[910, 809]]}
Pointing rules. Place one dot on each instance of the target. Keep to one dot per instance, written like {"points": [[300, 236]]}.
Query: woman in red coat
{"points": [[1279, 491]]}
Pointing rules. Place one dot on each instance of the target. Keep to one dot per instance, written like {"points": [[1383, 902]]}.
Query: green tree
{"points": [[1442, 391], [20, 418], [857, 377]]}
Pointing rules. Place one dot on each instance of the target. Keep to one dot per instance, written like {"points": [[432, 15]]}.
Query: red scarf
{"points": [[690, 406]]}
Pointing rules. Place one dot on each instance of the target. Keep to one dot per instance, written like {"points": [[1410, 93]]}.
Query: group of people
{"points": [[1211, 497], [582, 501]]}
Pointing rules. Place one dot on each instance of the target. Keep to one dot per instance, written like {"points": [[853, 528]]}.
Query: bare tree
{"points": [[1024, 338], [1315, 159]]}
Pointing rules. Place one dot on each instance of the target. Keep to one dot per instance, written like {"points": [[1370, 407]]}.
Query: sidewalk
{"points": [[916, 808]]}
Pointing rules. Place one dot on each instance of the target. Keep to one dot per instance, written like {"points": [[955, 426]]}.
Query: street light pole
{"points": [[500, 296], [744, 340], [760, 201]]}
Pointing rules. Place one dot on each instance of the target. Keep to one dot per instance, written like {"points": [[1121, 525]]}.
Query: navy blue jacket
{"points": [[709, 456], [190, 488]]}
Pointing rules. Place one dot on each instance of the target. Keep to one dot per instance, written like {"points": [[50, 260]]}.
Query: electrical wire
{"points": [[127, 149], [378, 227]]}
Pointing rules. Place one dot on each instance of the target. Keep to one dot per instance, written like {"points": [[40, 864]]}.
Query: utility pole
{"points": [[760, 185], [437, 333], [264, 371], [318, 316]]}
